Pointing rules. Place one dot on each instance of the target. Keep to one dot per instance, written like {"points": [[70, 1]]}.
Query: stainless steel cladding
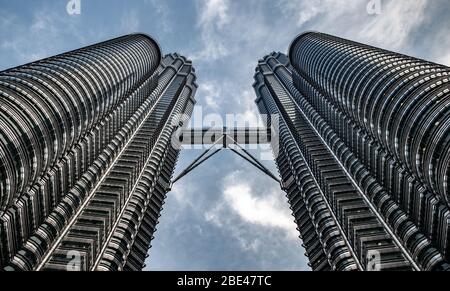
{"points": [[366, 137], [85, 152]]}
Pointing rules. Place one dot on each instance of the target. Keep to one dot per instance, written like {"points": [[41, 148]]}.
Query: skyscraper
{"points": [[364, 152], [86, 155]]}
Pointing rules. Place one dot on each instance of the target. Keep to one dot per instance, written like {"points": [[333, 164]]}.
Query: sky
{"points": [[225, 215]]}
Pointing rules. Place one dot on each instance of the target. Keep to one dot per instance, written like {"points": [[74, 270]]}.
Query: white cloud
{"points": [[214, 12], [391, 29], [301, 12], [212, 17], [180, 195], [266, 211], [233, 102], [248, 105], [235, 34], [228, 38], [210, 93], [266, 208]]}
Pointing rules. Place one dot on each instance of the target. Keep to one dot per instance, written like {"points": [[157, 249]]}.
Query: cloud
{"points": [[211, 19], [267, 212], [393, 27], [301, 12], [251, 114], [200, 230], [233, 35], [225, 39], [210, 93], [229, 27], [230, 37], [214, 12], [266, 208]]}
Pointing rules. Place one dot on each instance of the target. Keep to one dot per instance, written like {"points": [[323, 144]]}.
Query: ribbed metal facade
{"points": [[86, 155], [364, 152]]}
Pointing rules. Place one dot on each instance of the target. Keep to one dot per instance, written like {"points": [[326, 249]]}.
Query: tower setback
{"points": [[364, 152], [86, 155]]}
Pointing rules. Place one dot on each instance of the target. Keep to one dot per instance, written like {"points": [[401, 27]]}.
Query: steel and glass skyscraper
{"points": [[86, 155], [364, 152]]}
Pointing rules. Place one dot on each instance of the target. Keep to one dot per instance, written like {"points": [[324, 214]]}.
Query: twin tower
{"points": [[364, 153]]}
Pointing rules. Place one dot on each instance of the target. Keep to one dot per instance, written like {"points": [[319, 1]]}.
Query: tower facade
{"points": [[86, 155], [364, 152]]}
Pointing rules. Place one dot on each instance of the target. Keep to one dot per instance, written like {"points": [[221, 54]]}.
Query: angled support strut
{"points": [[228, 142]]}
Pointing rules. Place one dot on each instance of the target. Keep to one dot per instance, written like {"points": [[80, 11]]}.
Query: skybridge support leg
{"points": [[228, 142]]}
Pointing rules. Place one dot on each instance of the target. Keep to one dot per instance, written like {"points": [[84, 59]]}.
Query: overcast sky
{"points": [[226, 215]]}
